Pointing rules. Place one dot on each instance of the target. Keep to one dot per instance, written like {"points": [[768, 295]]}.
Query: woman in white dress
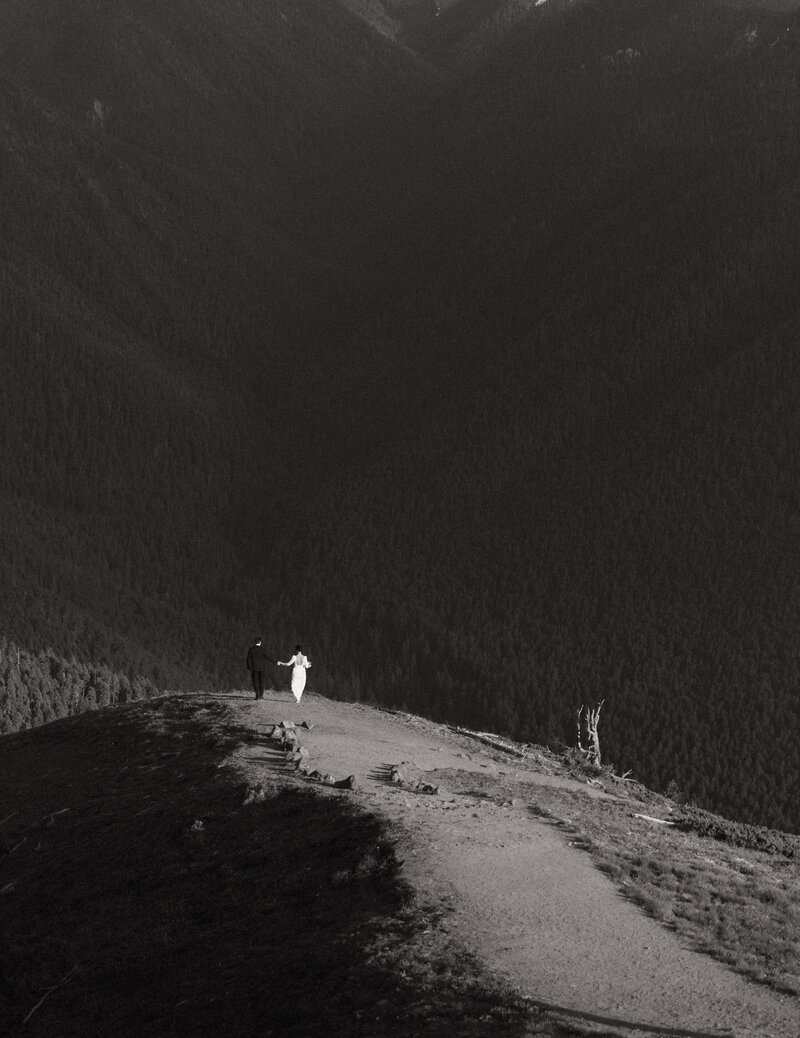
{"points": [[299, 664]]}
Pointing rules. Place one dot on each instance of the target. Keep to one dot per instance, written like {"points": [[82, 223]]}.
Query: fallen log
{"points": [[649, 818], [490, 740]]}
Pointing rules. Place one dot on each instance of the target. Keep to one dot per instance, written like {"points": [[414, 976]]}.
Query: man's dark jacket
{"points": [[257, 658]]}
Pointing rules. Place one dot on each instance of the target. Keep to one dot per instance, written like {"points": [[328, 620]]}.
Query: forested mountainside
{"points": [[457, 341], [163, 287]]}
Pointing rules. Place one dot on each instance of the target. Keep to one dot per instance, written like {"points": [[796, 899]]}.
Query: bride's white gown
{"points": [[299, 664]]}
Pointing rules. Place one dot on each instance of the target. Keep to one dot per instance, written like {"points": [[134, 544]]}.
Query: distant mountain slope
{"points": [[462, 350], [599, 501], [161, 282]]}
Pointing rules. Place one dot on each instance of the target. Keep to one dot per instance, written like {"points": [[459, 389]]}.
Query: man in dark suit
{"points": [[257, 661]]}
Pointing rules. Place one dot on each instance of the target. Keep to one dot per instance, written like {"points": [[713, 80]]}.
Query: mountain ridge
{"points": [[454, 863]]}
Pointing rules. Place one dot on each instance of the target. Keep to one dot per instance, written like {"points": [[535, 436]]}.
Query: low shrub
{"points": [[740, 834]]}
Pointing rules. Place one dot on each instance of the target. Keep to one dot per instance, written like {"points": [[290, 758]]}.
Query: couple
{"points": [[257, 660]]}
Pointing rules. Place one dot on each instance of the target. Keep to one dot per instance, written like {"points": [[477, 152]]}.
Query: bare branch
{"points": [[64, 980], [16, 847]]}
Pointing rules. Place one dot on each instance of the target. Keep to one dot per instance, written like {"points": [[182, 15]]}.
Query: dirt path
{"points": [[532, 907]]}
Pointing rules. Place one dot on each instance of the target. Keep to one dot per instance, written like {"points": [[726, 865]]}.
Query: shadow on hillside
{"points": [[149, 895], [269, 756], [271, 695], [629, 1025]]}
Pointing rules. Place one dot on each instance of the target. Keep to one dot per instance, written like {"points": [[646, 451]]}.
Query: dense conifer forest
{"points": [[458, 342]]}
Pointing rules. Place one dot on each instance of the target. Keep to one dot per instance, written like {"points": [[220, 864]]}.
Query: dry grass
{"points": [[735, 902], [724, 894]]}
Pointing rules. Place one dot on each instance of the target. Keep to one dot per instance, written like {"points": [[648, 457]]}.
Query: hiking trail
{"points": [[532, 907]]}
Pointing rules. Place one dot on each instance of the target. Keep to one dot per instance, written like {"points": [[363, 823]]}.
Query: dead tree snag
{"points": [[588, 739]]}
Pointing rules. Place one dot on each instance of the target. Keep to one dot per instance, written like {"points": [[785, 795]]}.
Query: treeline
{"points": [[41, 687]]}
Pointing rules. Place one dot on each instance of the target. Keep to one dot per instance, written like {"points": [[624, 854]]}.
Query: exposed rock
{"points": [[400, 776], [347, 783]]}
